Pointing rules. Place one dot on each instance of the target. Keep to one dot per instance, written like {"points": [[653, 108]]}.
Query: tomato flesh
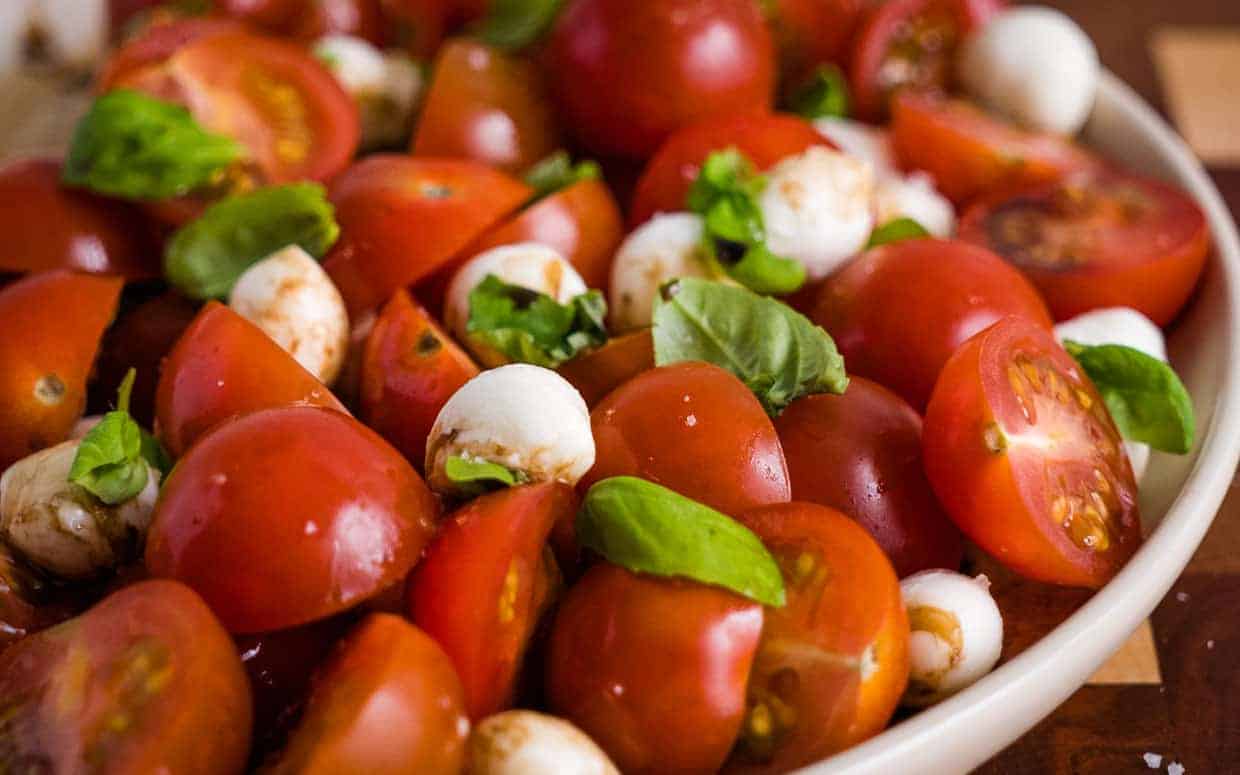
{"points": [[601, 371]]}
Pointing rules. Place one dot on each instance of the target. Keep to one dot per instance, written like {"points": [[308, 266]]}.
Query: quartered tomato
{"points": [[484, 584], [1098, 239], [146, 681], [833, 661], [1025, 458], [813, 32], [310, 19], [601, 371], [653, 669]]}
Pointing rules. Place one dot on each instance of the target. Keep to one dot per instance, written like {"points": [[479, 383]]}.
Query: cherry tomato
{"points": [[388, 703], [813, 32], [626, 75], [415, 25], [152, 47], [484, 584], [146, 681], [310, 19], [860, 453], [1025, 458], [50, 327], [653, 669], [898, 312], [27, 603], [696, 429], [833, 662], [601, 371], [224, 366], [1099, 239]]}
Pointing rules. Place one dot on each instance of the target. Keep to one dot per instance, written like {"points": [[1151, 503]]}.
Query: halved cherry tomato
{"points": [[696, 429], [50, 327], [388, 703], [833, 662], [899, 311], [653, 669], [1099, 239], [310, 19], [224, 366], [601, 371], [1024, 456], [152, 47], [813, 32], [289, 515], [485, 582], [860, 453], [146, 681]]}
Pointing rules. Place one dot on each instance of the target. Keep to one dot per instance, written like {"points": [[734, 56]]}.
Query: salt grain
{"points": [[1210, 645], [1175, 768], [1153, 761], [1181, 596]]}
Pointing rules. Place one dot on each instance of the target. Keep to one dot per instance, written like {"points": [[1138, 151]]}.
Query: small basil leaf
{"points": [[776, 351], [109, 462], [650, 529], [895, 231], [155, 455], [475, 477], [557, 172], [761, 271], [531, 327], [1146, 398], [514, 24], [133, 146], [205, 257], [823, 95]]}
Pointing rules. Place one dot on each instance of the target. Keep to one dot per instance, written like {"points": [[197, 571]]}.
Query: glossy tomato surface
{"points": [[813, 32], [601, 371]]}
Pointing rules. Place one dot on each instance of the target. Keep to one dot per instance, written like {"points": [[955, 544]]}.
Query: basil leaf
{"points": [[109, 462], [557, 172], [205, 257], [155, 455], [776, 351], [531, 327], [133, 146], [895, 231], [647, 528], [475, 477], [761, 271], [1146, 398], [515, 24], [823, 95]]}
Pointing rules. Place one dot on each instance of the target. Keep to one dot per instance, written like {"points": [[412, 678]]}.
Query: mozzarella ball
{"points": [[817, 209], [61, 527], [1034, 65], [862, 141], [526, 418], [387, 86], [956, 633], [85, 426], [915, 197], [668, 246], [522, 742], [291, 298]]}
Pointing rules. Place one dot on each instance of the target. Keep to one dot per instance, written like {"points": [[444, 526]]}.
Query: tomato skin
{"points": [[310, 19], [417, 26], [653, 669], [860, 453], [899, 311], [149, 659], [597, 373], [813, 32], [696, 429], [155, 44], [626, 75]]}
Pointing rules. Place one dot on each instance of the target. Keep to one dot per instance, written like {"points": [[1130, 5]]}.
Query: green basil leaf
{"points": [[557, 172], [133, 146], [761, 271], [205, 257], [531, 327], [475, 477], [109, 462], [155, 455], [647, 528], [823, 95], [897, 230], [515, 24], [1146, 398], [776, 351]]}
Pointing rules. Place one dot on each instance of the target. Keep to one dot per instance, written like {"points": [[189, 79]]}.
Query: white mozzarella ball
{"points": [[85, 426], [862, 141], [522, 742], [915, 197], [61, 527], [817, 209], [1035, 65], [526, 418], [956, 633], [74, 32], [291, 298], [387, 85], [668, 246]]}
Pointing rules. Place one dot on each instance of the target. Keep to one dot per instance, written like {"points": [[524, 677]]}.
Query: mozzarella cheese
{"points": [[956, 633], [862, 141], [915, 197], [387, 86], [522, 742], [668, 246]]}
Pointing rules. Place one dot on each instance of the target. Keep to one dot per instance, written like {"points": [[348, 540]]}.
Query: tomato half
{"points": [[310, 20], [1099, 239], [152, 47], [813, 32], [601, 371]]}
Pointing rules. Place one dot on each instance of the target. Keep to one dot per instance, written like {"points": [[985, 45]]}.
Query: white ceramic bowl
{"points": [[1179, 497]]}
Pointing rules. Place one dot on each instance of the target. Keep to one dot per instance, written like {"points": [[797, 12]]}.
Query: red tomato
{"points": [[289, 515], [861, 453], [833, 662], [155, 44], [626, 75], [27, 603], [388, 703], [146, 681], [601, 371], [1025, 458], [653, 669], [410, 369], [50, 327], [1102, 239], [898, 312], [696, 429], [484, 584], [224, 366], [813, 32], [310, 19], [415, 25]]}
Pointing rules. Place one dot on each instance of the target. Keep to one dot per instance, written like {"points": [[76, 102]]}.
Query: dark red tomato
{"points": [[417, 26], [653, 669], [146, 681], [50, 327], [223, 366], [626, 75], [388, 703], [310, 19], [485, 582], [27, 603], [152, 47], [813, 32], [833, 661], [860, 453], [1100, 239], [898, 312], [601, 371], [765, 140], [409, 371], [289, 515], [1025, 458], [696, 429]]}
